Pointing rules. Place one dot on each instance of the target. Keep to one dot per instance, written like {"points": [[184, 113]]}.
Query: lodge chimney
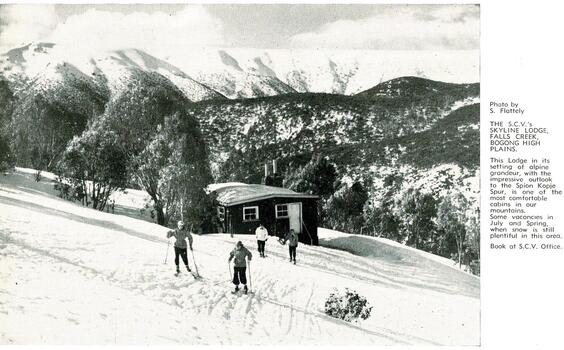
{"points": [[268, 179], [277, 178]]}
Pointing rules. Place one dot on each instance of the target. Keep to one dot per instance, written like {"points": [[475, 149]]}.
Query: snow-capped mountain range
{"points": [[288, 105], [212, 73]]}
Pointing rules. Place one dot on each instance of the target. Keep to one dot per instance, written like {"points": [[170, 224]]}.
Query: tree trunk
{"points": [[104, 197], [161, 218], [460, 252], [94, 196], [85, 193], [415, 232]]}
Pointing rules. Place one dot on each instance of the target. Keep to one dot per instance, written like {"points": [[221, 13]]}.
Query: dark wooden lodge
{"points": [[242, 207]]}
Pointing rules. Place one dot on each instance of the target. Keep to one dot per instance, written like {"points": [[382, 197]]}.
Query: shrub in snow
{"points": [[348, 306], [66, 191], [63, 189], [475, 267]]}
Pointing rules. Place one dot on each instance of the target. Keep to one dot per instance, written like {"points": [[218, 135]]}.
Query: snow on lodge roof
{"points": [[233, 193]]}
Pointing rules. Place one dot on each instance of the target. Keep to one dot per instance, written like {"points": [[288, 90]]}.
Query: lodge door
{"points": [[295, 216]]}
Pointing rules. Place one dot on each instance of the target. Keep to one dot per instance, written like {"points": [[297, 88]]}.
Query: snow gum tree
{"points": [[380, 215], [7, 102], [319, 177], [173, 169], [6, 159], [41, 131], [154, 171], [345, 208], [95, 165], [456, 217], [165, 151], [472, 251], [417, 211]]}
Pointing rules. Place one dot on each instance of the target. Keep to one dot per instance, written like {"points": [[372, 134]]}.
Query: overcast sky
{"points": [[162, 28]]}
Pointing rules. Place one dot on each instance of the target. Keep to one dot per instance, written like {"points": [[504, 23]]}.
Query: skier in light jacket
{"points": [[262, 236], [180, 246], [292, 238], [238, 256]]}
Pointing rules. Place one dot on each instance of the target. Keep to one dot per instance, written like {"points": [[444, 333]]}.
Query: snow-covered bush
{"points": [[348, 306]]}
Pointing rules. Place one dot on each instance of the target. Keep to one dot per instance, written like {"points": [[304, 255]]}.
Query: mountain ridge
{"points": [[246, 73], [369, 132]]}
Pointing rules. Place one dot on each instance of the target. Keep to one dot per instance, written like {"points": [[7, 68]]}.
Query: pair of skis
{"points": [[194, 274], [250, 290], [197, 274], [240, 292]]}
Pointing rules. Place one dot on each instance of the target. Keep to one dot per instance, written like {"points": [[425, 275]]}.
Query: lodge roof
{"points": [[233, 193]]}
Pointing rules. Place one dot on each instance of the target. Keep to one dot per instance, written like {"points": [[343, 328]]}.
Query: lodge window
{"points": [[281, 211], [250, 213], [221, 213]]}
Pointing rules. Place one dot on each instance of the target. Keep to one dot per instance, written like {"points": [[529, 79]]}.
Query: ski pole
{"points": [[195, 266], [230, 274], [167, 247], [250, 278]]}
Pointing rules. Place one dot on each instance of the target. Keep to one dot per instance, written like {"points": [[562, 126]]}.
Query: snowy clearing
{"points": [[73, 275]]}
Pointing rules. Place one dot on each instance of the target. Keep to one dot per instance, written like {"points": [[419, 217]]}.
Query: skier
{"points": [[262, 236], [292, 237], [180, 247], [238, 256]]}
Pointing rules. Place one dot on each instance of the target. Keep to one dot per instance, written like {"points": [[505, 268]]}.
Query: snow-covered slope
{"points": [[72, 275], [382, 248]]}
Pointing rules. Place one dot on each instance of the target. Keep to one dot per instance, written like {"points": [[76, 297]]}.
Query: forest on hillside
{"points": [[395, 161]]}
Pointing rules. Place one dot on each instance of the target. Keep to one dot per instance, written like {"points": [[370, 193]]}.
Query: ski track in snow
{"points": [[72, 275]]}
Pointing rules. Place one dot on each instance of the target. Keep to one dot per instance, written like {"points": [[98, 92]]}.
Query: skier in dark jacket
{"points": [[292, 238], [180, 246], [238, 256]]}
